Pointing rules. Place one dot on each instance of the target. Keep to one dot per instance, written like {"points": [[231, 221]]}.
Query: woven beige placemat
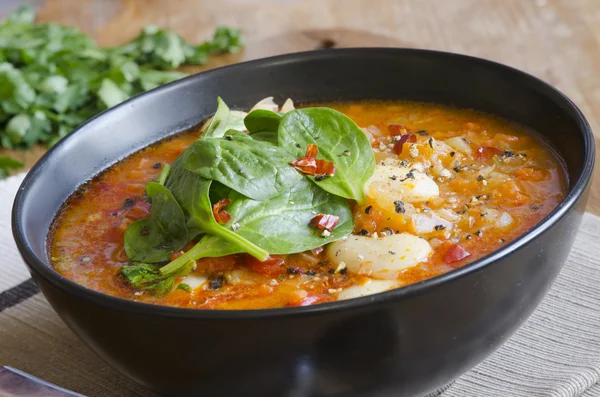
{"points": [[556, 352]]}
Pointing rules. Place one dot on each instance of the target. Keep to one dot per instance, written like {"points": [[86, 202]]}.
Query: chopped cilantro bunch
{"points": [[53, 78]]}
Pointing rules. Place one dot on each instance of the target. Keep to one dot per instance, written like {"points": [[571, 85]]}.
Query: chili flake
{"points": [[325, 222], [311, 166], [397, 149], [221, 216]]}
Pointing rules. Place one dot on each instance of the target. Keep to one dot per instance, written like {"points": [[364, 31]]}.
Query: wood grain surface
{"points": [[556, 40]]}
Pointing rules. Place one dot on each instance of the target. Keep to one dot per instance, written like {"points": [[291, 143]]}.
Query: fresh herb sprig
{"points": [[53, 78]]}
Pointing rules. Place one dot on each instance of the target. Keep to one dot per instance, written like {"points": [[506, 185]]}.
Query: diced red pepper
{"points": [[221, 216], [400, 143], [310, 165], [272, 267], [485, 153], [325, 221], [455, 253], [397, 129], [309, 299], [325, 167]]}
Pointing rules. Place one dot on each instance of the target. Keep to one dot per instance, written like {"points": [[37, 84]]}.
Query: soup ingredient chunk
{"points": [[379, 257]]}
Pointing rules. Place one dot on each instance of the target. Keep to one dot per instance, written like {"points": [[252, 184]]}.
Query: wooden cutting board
{"points": [[286, 43]]}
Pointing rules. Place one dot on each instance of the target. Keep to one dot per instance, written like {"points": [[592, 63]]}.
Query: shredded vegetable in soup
{"points": [[292, 207]]}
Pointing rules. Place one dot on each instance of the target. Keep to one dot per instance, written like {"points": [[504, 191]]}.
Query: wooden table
{"points": [[556, 40]]}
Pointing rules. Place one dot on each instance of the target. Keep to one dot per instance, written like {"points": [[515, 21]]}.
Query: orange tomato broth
{"points": [[86, 240]]}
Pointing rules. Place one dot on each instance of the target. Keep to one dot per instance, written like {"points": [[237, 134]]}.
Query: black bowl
{"points": [[405, 342]]}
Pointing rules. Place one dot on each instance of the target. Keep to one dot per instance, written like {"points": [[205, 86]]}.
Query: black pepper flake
{"points": [[452, 154], [439, 227], [293, 270], [392, 252], [298, 146], [461, 211], [115, 214], [128, 203], [310, 273], [478, 233], [324, 263], [338, 252], [409, 175], [344, 270], [331, 271], [508, 153], [535, 207], [387, 231], [216, 282], [363, 232], [457, 169], [84, 260], [422, 132], [502, 240], [321, 177], [229, 137], [399, 207], [430, 141], [468, 237], [144, 231], [483, 214], [393, 177], [156, 166], [480, 178], [368, 209]]}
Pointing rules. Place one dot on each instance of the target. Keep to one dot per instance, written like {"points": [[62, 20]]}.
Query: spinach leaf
{"points": [[262, 120], [281, 225], [223, 121], [149, 277], [163, 232], [255, 169], [339, 140], [193, 194], [266, 136]]}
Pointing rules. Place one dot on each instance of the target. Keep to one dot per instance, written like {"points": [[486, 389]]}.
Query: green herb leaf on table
{"points": [[339, 140], [254, 168], [163, 232], [7, 164], [53, 78]]}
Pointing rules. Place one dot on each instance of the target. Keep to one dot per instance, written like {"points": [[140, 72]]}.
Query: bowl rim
{"points": [[39, 269]]}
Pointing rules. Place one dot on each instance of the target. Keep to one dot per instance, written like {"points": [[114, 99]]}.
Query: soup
{"points": [[293, 207]]}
